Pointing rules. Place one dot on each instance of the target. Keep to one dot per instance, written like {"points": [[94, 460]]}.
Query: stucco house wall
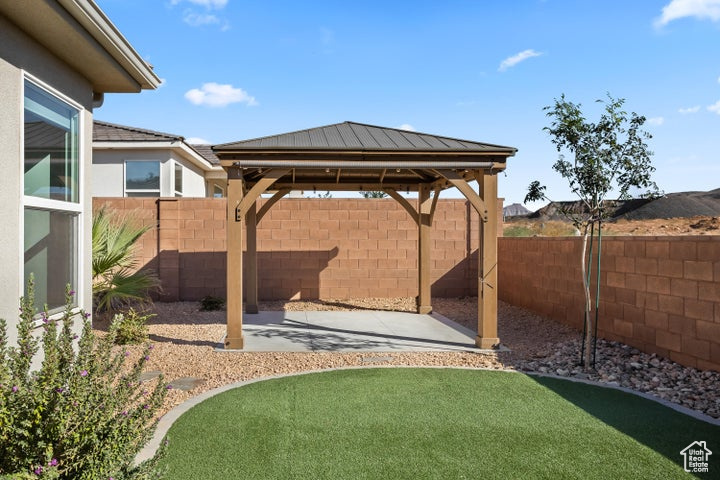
{"points": [[19, 53], [116, 146], [57, 60], [108, 179]]}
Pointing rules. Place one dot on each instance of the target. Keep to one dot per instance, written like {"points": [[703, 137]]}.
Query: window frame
{"points": [[75, 209], [222, 191], [177, 165], [127, 191]]}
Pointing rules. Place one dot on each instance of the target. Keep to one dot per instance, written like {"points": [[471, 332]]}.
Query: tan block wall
{"points": [[308, 248], [658, 294]]}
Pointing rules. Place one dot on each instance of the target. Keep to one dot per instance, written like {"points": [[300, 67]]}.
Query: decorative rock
{"points": [[186, 383], [537, 345]]}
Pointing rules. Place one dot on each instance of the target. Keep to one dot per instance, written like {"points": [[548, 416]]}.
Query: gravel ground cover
{"points": [[184, 341]]}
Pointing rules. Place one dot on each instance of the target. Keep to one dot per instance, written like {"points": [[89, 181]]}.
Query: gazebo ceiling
{"points": [[354, 156]]}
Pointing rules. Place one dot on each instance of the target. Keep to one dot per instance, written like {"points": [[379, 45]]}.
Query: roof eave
{"points": [[94, 20], [272, 151], [79, 34]]}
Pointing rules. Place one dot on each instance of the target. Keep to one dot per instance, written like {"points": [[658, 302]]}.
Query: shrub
{"points": [[116, 281], [518, 231], [210, 303], [84, 414], [130, 327]]}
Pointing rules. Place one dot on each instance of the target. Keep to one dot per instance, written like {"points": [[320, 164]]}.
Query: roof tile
{"points": [[111, 132]]}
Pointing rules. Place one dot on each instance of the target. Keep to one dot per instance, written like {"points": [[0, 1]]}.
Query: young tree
{"points": [[320, 195], [373, 194], [608, 156]]}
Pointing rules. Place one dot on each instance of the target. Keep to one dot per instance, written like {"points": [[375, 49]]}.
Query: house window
{"points": [[51, 200], [218, 191], [142, 178], [178, 180]]}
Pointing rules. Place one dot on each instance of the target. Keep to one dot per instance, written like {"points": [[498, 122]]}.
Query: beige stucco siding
{"points": [[19, 54], [193, 179], [108, 172]]}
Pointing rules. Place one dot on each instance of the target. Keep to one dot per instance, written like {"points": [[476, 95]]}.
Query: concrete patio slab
{"points": [[354, 331]]}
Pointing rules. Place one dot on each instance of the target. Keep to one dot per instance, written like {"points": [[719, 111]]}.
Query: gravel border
{"points": [[184, 339]]}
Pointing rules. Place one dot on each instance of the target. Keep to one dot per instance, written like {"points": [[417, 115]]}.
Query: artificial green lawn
{"points": [[431, 423]]}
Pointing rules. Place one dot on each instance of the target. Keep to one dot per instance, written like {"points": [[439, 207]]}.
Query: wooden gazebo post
{"points": [[424, 221], [235, 193], [487, 333], [251, 285]]}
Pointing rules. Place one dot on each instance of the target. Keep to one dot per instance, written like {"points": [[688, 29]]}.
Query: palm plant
{"points": [[116, 280]]}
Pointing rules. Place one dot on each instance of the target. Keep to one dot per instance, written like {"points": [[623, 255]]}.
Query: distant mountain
{"points": [[672, 205], [615, 208], [515, 210], [679, 205]]}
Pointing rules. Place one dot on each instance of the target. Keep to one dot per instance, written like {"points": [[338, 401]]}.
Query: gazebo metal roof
{"points": [[353, 135], [356, 156]]}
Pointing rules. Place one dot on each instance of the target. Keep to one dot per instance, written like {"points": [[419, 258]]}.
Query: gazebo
{"points": [[358, 157]]}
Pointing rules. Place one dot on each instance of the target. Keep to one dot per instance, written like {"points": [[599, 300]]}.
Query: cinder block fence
{"points": [[308, 248], [659, 294]]}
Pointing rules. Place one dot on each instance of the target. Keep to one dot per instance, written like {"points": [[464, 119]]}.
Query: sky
{"points": [[476, 70]]}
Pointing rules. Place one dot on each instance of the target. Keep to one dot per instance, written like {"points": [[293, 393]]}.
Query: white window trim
{"points": [[175, 165], [141, 190], [50, 204]]}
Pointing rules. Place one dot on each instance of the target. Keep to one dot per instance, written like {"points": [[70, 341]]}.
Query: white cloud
{"points": [[197, 141], [210, 4], [406, 126], [195, 19], [686, 111], [700, 9], [517, 58], [715, 107], [219, 95], [718, 79], [656, 121]]}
